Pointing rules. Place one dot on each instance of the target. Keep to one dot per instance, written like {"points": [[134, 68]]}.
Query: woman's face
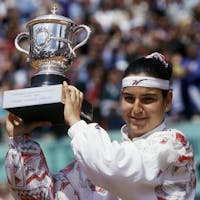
{"points": [[143, 108]]}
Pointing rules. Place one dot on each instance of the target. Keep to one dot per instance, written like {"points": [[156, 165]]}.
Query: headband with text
{"points": [[145, 81]]}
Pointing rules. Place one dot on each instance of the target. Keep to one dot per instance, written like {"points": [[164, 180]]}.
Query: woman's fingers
{"points": [[75, 95], [16, 126], [73, 101], [81, 99]]}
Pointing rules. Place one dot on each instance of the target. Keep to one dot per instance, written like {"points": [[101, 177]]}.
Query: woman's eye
{"points": [[148, 100], [128, 99]]}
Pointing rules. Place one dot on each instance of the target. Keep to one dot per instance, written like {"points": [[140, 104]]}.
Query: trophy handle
{"points": [[18, 38], [87, 30]]}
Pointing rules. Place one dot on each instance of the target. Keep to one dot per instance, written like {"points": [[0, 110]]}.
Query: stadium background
{"points": [[121, 31]]}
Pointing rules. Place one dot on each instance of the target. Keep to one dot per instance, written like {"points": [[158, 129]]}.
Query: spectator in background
{"points": [[191, 81], [6, 64], [110, 100], [94, 86], [178, 74], [4, 86]]}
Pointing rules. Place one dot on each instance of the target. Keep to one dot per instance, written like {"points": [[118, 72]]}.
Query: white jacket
{"points": [[156, 166]]}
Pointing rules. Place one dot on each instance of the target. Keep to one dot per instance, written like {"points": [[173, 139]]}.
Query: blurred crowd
{"points": [[122, 30]]}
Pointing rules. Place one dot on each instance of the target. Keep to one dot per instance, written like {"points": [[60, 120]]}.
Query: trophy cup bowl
{"points": [[52, 40]]}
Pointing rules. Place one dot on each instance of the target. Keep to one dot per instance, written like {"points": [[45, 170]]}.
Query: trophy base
{"points": [[47, 112], [41, 104]]}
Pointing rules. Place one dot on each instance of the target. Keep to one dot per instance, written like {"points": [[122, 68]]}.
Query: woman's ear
{"points": [[168, 102]]}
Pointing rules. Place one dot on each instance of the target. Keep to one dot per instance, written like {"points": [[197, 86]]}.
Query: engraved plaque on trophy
{"points": [[53, 40]]}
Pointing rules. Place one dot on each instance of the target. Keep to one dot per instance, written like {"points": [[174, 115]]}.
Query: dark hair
{"points": [[152, 65]]}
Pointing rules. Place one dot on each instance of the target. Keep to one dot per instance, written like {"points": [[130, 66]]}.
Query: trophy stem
{"points": [[47, 79]]}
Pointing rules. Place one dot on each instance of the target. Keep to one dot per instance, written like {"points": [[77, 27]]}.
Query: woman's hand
{"points": [[73, 99], [16, 126]]}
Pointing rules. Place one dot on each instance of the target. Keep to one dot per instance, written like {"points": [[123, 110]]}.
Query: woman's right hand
{"points": [[16, 126]]}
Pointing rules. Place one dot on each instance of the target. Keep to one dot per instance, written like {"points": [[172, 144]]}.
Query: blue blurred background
{"points": [[122, 30]]}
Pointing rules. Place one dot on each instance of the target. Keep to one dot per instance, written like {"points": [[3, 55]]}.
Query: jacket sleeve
{"points": [[27, 171], [29, 177]]}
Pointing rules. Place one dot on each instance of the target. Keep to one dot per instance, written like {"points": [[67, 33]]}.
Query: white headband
{"points": [[145, 81]]}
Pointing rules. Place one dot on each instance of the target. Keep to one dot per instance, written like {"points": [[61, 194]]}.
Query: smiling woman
{"points": [[151, 162], [146, 94], [143, 109]]}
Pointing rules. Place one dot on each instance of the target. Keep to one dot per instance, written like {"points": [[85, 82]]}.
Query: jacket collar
{"points": [[124, 132]]}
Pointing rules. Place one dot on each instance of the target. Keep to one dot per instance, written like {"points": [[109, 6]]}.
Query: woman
{"points": [[152, 162]]}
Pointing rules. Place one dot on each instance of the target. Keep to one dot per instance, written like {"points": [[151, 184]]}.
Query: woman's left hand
{"points": [[16, 126]]}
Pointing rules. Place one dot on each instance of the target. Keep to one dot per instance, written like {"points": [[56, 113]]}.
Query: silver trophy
{"points": [[53, 40]]}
